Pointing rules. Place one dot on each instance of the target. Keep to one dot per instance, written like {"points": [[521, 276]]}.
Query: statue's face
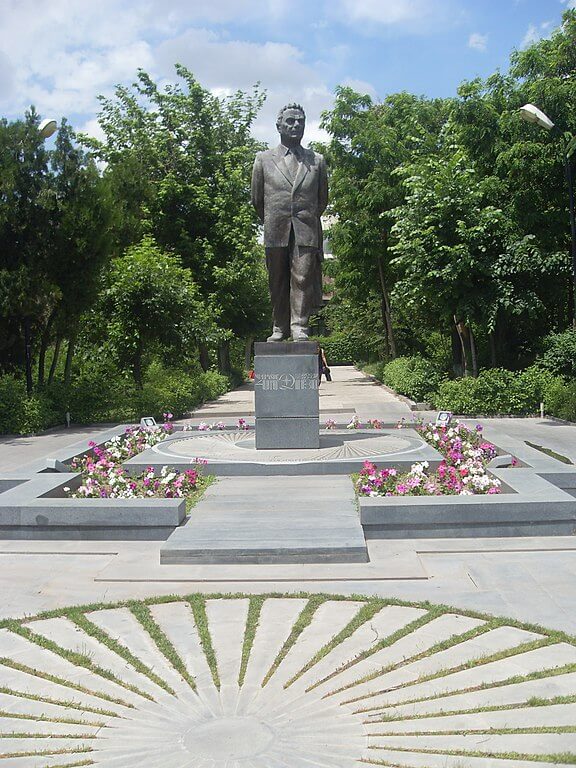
{"points": [[292, 124]]}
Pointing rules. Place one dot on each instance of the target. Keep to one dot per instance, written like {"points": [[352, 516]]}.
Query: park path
{"points": [[530, 579]]}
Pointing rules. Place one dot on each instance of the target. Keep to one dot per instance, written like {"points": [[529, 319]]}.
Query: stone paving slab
{"points": [[232, 719]]}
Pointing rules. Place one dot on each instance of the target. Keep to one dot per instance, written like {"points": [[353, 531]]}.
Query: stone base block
{"points": [[288, 432]]}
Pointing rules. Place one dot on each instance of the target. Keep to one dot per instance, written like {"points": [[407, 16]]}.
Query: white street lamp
{"points": [[47, 128], [532, 114]]}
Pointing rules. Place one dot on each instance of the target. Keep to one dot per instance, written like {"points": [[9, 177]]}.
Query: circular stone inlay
{"points": [[292, 681], [229, 738], [335, 446]]}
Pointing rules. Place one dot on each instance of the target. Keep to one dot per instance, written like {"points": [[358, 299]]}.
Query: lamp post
{"points": [[532, 114], [45, 129]]}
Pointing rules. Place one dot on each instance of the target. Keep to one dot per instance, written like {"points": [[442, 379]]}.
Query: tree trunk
{"points": [[473, 352], [457, 366], [386, 311], [224, 365], [248, 354], [43, 349], [28, 355], [55, 357], [493, 355], [69, 358], [460, 328], [204, 357]]}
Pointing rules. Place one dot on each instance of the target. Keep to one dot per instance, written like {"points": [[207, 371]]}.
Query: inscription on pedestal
{"points": [[286, 396], [286, 381]]}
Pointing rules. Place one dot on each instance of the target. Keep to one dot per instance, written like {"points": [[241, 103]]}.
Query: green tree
{"points": [[152, 305], [462, 258], [25, 243], [368, 143], [181, 160]]}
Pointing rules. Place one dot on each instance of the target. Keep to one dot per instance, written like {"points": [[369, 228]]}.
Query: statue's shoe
{"points": [[277, 336], [300, 337]]}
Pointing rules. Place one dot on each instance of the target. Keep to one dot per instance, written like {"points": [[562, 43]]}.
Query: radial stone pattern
{"points": [[278, 682]]}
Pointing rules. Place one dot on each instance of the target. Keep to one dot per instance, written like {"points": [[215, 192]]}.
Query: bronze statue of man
{"points": [[290, 193]]}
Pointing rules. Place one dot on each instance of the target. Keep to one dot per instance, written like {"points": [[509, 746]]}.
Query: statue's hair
{"points": [[293, 105]]}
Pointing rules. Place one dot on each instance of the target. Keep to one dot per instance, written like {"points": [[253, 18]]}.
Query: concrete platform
{"points": [[341, 451], [271, 520]]}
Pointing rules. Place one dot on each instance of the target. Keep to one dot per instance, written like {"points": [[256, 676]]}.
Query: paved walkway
{"points": [[287, 681], [531, 579]]}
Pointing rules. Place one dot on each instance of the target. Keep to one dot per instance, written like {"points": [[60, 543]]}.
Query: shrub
{"points": [[559, 356], [12, 397], [560, 399], [415, 377], [495, 391], [343, 349]]}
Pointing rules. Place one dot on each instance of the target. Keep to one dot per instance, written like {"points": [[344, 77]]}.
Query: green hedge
{"points": [[496, 391], [342, 349], [415, 377], [98, 393]]}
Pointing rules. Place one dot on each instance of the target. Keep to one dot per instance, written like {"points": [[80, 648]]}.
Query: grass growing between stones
{"points": [[158, 629], [549, 452], [303, 621], [472, 664], [365, 613], [62, 681], [198, 605], [50, 753], [531, 703], [568, 758], [539, 675], [91, 629], [144, 616], [74, 657], [68, 704], [46, 719], [254, 608]]}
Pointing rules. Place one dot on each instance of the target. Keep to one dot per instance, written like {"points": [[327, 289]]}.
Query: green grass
{"points": [[472, 664], [568, 758], [62, 681], [549, 452], [366, 612], [74, 657], [252, 620], [144, 616], [91, 629], [204, 482], [303, 621], [198, 605], [68, 704]]}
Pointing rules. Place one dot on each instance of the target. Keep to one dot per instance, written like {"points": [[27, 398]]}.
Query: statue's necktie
{"points": [[292, 161]]}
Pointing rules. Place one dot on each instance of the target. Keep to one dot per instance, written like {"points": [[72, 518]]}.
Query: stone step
{"points": [[249, 520]]}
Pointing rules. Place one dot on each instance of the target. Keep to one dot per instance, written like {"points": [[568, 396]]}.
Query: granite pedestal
{"points": [[286, 399]]}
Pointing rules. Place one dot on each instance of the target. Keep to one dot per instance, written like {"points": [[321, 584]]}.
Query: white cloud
{"points": [[227, 65], [536, 32], [477, 41], [414, 15], [361, 86], [60, 55], [570, 3]]}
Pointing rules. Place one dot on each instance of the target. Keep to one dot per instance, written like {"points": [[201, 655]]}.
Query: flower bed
{"points": [[463, 470], [104, 477]]}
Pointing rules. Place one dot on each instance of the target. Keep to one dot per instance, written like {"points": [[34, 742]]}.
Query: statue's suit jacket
{"points": [[283, 203]]}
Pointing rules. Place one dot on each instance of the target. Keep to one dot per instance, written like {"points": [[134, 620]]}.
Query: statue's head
{"points": [[291, 121]]}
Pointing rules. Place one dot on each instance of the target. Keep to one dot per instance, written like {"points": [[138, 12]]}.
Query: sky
{"points": [[59, 55]]}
